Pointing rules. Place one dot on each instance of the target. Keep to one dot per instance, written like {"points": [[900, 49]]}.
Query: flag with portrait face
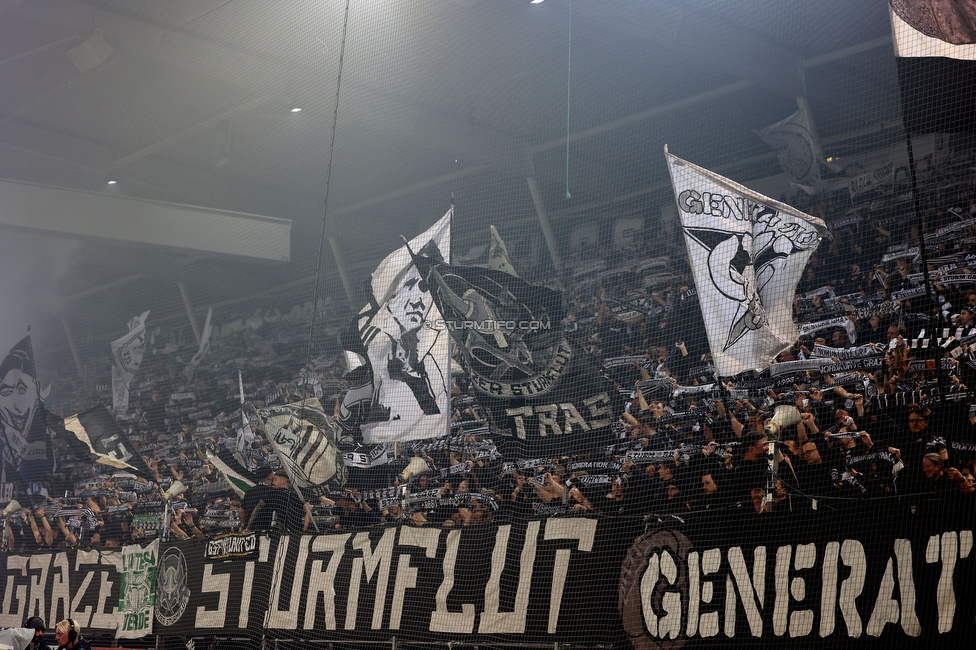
{"points": [[408, 356], [747, 253], [26, 459]]}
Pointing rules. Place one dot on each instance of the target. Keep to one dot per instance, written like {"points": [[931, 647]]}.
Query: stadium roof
{"points": [[191, 103]]}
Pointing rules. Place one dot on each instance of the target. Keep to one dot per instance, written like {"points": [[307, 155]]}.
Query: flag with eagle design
{"points": [[747, 253]]}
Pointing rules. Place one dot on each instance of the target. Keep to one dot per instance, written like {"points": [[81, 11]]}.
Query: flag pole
{"points": [[929, 296], [325, 203], [450, 341]]}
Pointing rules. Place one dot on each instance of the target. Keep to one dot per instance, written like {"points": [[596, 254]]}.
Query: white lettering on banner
{"points": [[381, 557], [442, 620], [60, 589], [36, 604], [11, 617], [852, 555], [406, 576], [675, 592], [952, 548], [752, 590], [781, 604], [828, 589], [246, 595], [793, 612], [213, 583], [801, 621], [548, 416], [582, 530], [324, 584], [492, 620], [668, 626], [102, 619], [83, 617], [51, 586], [539, 384], [705, 624], [288, 618]]}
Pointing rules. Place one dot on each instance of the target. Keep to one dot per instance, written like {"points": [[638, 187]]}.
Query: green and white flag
{"points": [[137, 591], [236, 475]]}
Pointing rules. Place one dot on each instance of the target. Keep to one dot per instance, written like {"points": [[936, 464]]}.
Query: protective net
{"points": [[489, 323]]}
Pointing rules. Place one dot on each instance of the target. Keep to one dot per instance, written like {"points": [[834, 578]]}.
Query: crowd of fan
{"points": [[685, 443]]}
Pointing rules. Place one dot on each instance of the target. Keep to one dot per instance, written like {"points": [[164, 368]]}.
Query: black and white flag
{"points": [[797, 150], [127, 352], [935, 46], [747, 253], [409, 356], [106, 442], [545, 394], [25, 446], [304, 438]]}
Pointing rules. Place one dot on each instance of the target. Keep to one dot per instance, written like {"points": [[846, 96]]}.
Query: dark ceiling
{"points": [[468, 98]]}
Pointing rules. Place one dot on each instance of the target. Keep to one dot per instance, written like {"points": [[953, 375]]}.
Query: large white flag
{"points": [[407, 348], [796, 149], [129, 350], [747, 253]]}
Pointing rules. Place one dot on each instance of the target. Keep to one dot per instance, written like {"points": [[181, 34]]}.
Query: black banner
{"points": [[797, 575], [81, 585], [544, 392]]}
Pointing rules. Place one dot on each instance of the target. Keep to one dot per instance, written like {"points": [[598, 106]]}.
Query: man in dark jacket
{"points": [[36, 624]]}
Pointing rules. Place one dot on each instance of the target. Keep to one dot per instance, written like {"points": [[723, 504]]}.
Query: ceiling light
{"points": [[111, 182], [93, 52], [296, 110], [535, 2]]}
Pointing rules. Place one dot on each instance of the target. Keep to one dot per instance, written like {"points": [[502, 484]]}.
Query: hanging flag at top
{"points": [[797, 150], [408, 357], [747, 253], [935, 46]]}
